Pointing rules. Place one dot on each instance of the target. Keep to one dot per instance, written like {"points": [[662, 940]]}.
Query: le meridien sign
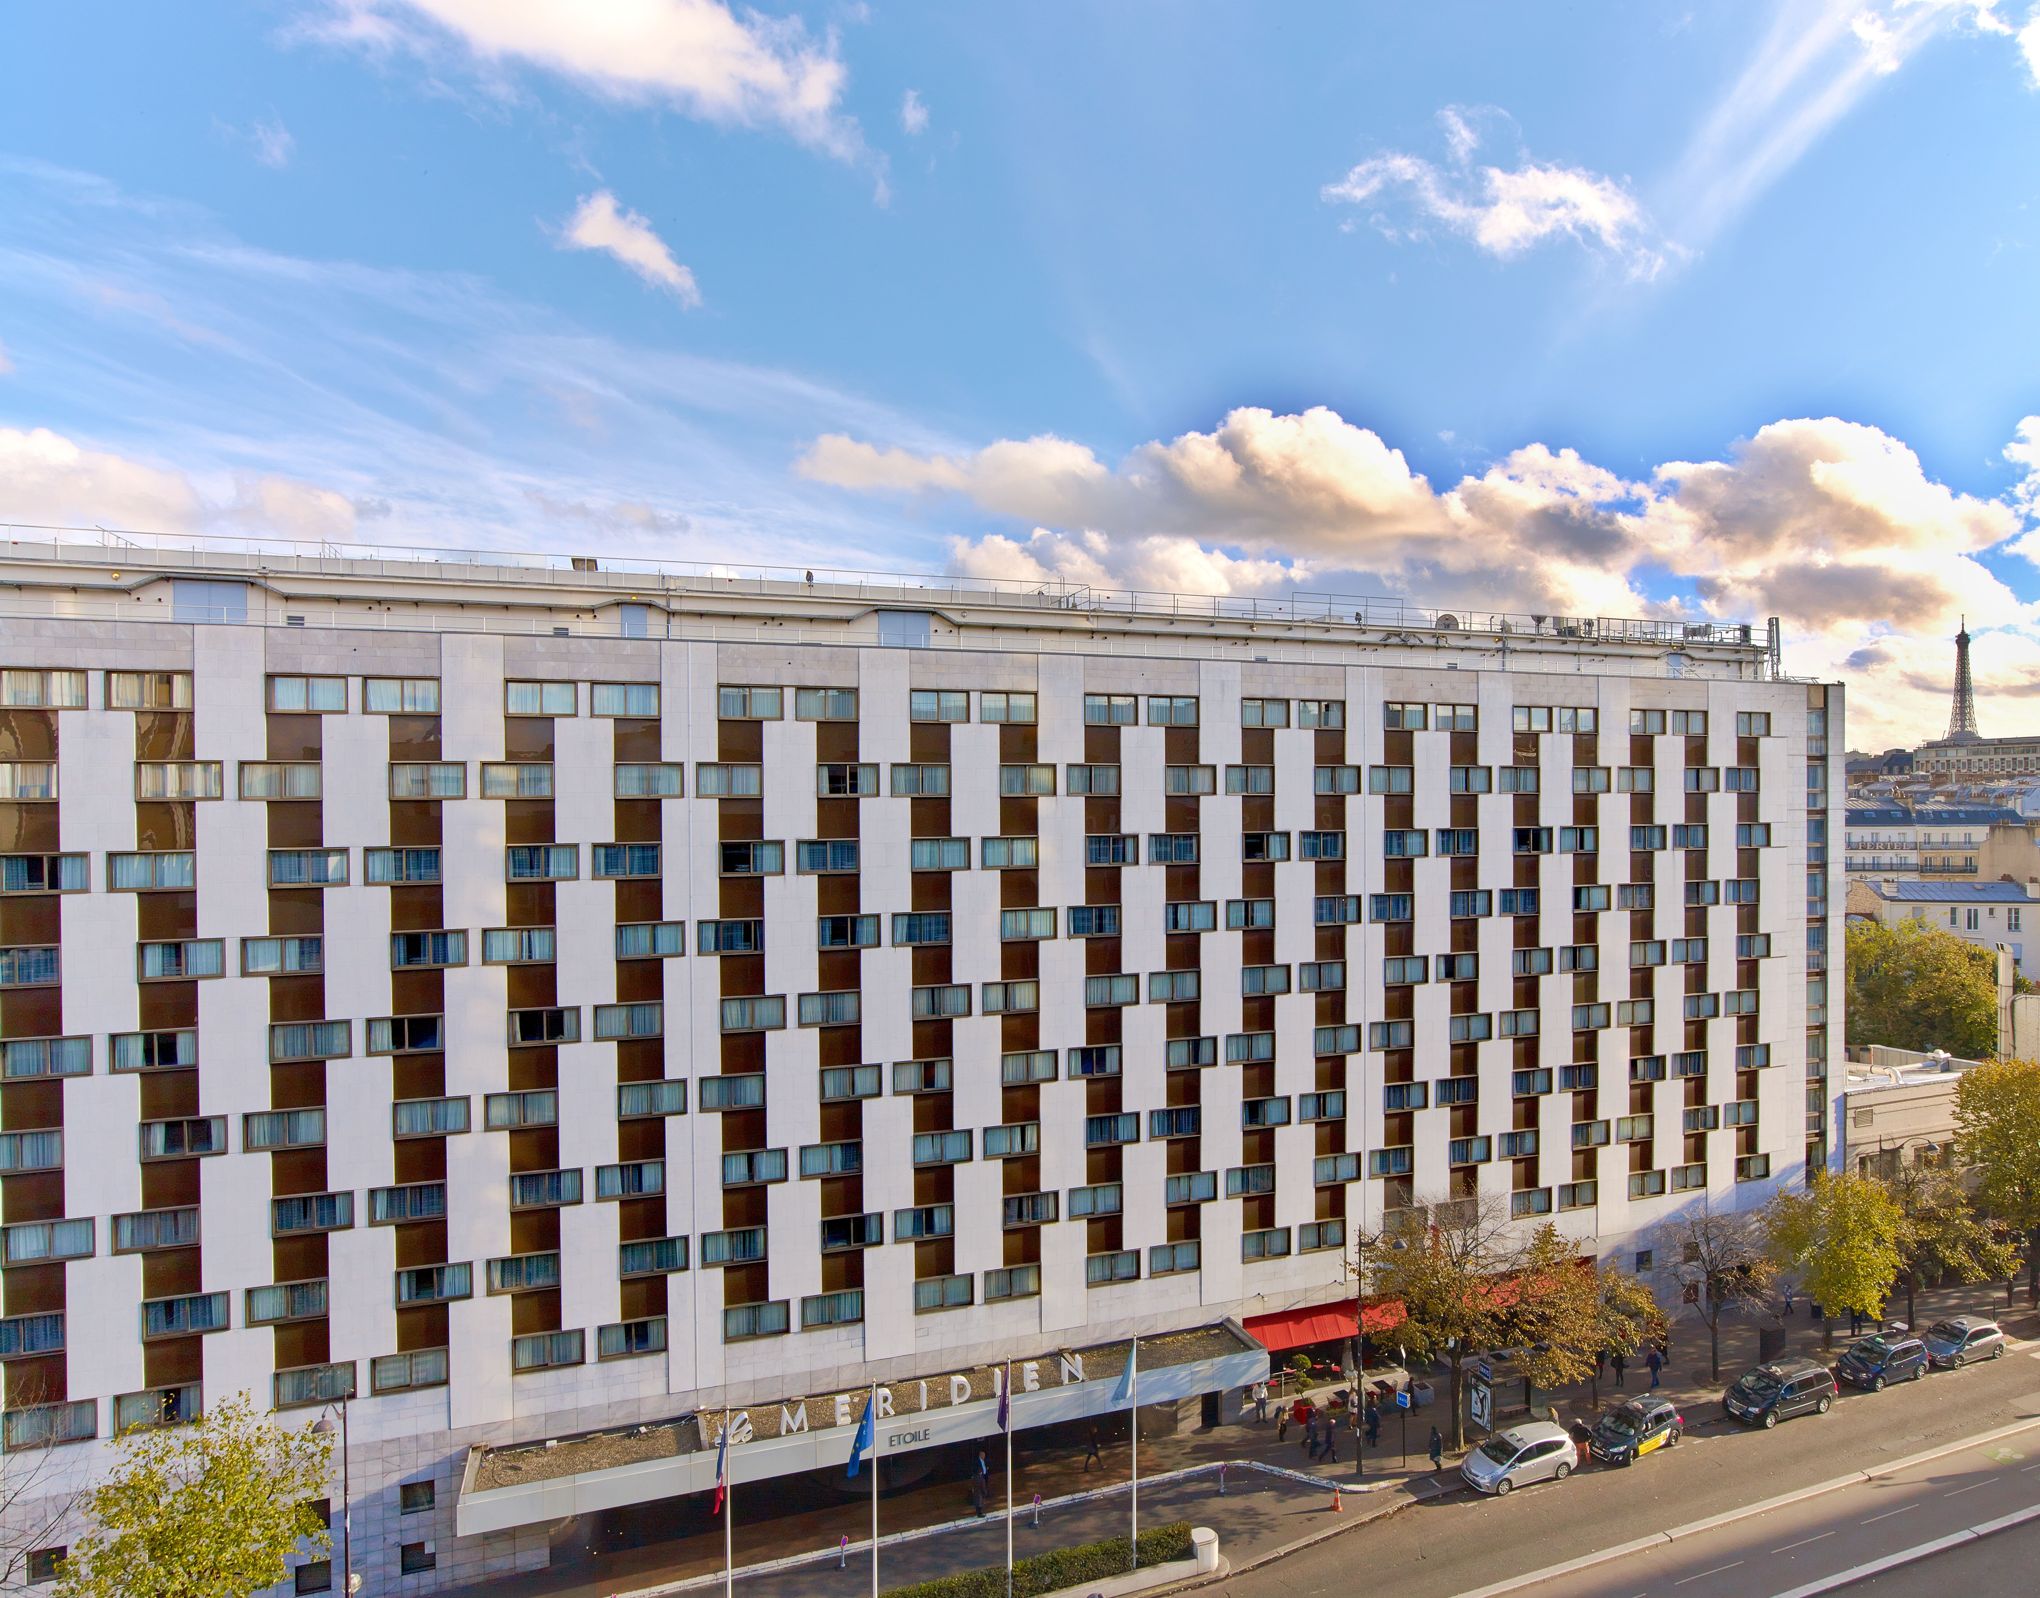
{"points": [[782, 1439]]}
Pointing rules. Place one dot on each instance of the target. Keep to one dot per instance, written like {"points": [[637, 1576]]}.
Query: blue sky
{"points": [[1607, 308]]}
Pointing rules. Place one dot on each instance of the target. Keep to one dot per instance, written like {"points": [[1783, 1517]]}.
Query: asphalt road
{"points": [[1994, 1567], [1461, 1542]]}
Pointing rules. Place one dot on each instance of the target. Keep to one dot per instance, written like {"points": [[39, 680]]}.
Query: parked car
{"points": [[1629, 1431], [1880, 1358], [1963, 1341], [1538, 1450], [1775, 1392]]}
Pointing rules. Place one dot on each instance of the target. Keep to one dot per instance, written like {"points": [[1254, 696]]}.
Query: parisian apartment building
{"points": [[525, 998]]}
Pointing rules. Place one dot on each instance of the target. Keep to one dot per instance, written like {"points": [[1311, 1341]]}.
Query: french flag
{"points": [[722, 1468]]}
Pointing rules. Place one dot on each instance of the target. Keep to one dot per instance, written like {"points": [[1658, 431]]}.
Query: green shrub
{"points": [[1059, 1567]]}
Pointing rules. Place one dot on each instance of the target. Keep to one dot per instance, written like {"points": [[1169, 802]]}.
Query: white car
{"points": [[1539, 1450]]}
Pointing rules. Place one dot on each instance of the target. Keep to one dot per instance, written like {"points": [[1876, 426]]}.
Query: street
{"points": [[1460, 1543]]}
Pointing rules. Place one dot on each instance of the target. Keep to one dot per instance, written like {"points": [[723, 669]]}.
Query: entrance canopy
{"points": [[1320, 1323]]}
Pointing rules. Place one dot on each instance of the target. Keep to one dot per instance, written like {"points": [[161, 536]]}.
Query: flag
{"points": [[1123, 1393], [722, 1468], [1006, 1400], [865, 1429]]}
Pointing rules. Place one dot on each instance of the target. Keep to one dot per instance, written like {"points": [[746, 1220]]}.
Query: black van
{"points": [[1775, 1392], [1880, 1358]]}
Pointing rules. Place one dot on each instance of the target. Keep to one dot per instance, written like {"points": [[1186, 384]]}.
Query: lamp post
{"points": [[349, 1582], [1363, 1240]]}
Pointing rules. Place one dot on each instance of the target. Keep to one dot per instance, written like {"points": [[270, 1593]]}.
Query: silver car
{"points": [[1536, 1451], [1963, 1341]]}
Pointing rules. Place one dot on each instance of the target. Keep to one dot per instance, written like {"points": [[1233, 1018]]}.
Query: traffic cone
{"points": [[1337, 1506]]}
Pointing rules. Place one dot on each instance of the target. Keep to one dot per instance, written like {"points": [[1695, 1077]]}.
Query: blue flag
{"points": [[1128, 1378], [866, 1429], [1006, 1400]]}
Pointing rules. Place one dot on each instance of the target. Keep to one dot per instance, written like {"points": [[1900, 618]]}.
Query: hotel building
{"points": [[528, 998]]}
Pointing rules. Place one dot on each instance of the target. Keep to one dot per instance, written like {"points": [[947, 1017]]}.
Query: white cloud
{"points": [[272, 142], [747, 70], [598, 224], [1506, 211], [2029, 45], [913, 114]]}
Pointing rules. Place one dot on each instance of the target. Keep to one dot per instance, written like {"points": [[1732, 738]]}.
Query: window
{"points": [[38, 967], [1098, 1059], [1010, 998], [1026, 781], [765, 1013], [1182, 780], [389, 867], [1390, 779], [728, 780], [749, 704], [938, 704], [1400, 844], [1400, 970], [1006, 707], [1457, 842], [646, 1019], [543, 862], [148, 690], [1102, 992], [535, 1351], [518, 945], [44, 873], [1333, 780], [1019, 926], [145, 872], [1263, 846], [1259, 980], [1329, 713], [1190, 915], [1269, 1244], [1264, 712], [617, 861], [1108, 710], [825, 704], [920, 781], [1123, 849], [179, 961], [1590, 779], [1398, 717], [1249, 914], [631, 1179], [1455, 718], [527, 779], [839, 780], [42, 690], [1321, 846], [1164, 710], [1322, 976], [163, 780], [631, 699], [545, 1024], [938, 854], [941, 1001], [1093, 779], [395, 696], [422, 949], [405, 1034], [1336, 910]]}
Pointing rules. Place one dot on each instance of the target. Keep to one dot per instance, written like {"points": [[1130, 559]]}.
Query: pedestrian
{"points": [[1437, 1450], [1855, 1322], [1601, 1365], [1331, 1454], [1373, 1422], [1664, 1344], [1788, 1301], [1260, 1401], [1282, 1425], [984, 1470], [1621, 1364], [1656, 1362], [1310, 1435], [1094, 1457]]}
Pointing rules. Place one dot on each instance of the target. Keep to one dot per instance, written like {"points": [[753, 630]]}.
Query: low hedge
{"points": [[1058, 1568]]}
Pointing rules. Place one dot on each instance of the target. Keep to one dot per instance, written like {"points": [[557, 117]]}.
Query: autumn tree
{"points": [[1943, 1239], [1997, 1135], [1441, 1262], [1572, 1310], [213, 1509], [1915, 986], [1842, 1236], [1723, 1267], [36, 1494]]}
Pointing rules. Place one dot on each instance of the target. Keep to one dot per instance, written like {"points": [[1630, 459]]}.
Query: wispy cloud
{"points": [[913, 114], [599, 224], [698, 56], [1503, 210], [267, 139], [1809, 68]]}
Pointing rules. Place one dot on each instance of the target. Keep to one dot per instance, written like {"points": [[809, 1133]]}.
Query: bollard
{"points": [[842, 1553], [1037, 1510]]}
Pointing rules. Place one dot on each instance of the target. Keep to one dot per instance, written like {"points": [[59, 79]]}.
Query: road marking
{"points": [[1955, 1492], [1902, 1508], [1802, 1542], [2024, 1468], [1700, 1575]]}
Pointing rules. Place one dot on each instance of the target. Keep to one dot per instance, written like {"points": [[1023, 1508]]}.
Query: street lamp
{"points": [[1363, 1240], [349, 1582]]}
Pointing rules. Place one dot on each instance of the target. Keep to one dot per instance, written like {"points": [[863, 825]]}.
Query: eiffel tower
{"points": [[1962, 714]]}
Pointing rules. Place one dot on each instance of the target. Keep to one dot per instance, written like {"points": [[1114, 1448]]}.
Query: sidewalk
{"points": [[1262, 1513]]}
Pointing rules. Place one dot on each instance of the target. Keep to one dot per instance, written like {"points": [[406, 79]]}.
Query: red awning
{"points": [[1319, 1323]]}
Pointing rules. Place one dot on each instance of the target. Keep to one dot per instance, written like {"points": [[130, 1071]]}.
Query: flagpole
{"points": [[1007, 1406], [874, 1490], [729, 1574], [1133, 1406]]}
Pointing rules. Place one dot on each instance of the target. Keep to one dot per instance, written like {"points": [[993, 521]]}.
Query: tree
{"points": [[1578, 1310], [1997, 1132], [35, 1499], [1842, 1236], [1441, 1263], [1914, 986], [1943, 1239], [1722, 1267], [208, 1510]]}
